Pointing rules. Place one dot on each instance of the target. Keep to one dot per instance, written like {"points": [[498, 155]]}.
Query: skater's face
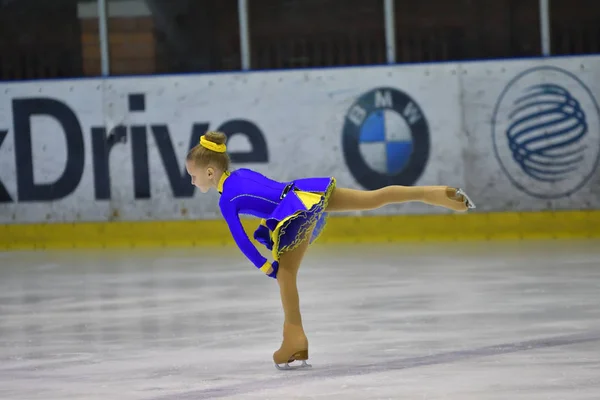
{"points": [[203, 177]]}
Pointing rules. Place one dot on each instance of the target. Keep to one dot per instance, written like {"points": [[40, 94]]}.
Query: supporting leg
{"points": [[343, 199], [295, 344]]}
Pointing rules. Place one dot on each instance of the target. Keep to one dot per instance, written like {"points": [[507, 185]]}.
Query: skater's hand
{"points": [[272, 272]]}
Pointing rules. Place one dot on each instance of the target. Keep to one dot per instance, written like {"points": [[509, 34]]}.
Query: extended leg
{"points": [[295, 344], [343, 199]]}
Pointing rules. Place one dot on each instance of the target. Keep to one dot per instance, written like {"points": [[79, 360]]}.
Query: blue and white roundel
{"points": [[385, 139], [385, 142], [546, 132]]}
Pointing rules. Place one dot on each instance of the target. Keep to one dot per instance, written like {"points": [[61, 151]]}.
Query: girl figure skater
{"points": [[292, 215]]}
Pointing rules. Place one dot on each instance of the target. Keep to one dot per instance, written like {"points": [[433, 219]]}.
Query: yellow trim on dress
{"points": [[266, 267], [310, 200], [222, 181]]}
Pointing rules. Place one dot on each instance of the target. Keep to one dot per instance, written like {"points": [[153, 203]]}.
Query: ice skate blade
{"points": [[468, 202], [288, 367]]}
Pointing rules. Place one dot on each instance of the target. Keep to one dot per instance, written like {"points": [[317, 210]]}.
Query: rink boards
{"points": [[362, 229], [99, 162]]}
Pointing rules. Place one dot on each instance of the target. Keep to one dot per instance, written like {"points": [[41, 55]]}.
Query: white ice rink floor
{"points": [[413, 321]]}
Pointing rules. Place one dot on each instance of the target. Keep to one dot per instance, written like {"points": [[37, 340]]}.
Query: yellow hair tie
{"points": [[219, 148]]}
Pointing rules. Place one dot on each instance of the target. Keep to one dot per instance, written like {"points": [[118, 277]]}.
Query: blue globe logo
{"points": [[542, 132], [546, 133], [385, 139]]}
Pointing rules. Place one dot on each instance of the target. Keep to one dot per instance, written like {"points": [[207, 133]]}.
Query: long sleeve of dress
{"points": [[242, 240]]}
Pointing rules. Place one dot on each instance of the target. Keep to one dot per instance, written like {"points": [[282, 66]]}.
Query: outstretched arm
{"points": [[243, 241]]}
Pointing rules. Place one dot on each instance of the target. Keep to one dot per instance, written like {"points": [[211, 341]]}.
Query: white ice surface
{"points": [[482, 320]]}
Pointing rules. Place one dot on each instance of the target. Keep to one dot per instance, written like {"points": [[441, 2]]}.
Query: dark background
{"points": [[48, 39]]}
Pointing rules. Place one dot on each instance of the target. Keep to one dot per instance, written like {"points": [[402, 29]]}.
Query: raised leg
{"points": [[343, 199], [295, 344]]}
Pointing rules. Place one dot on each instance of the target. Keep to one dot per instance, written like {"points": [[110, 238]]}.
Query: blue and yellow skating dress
{"points": [[287, 210]]}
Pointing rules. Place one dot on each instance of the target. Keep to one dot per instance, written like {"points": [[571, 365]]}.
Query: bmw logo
{"points": [[545, 132], [385, 139]]}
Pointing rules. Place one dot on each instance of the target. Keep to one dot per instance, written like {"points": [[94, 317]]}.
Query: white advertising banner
{"points": [[533, 129], [115, 149], [518, 135]]}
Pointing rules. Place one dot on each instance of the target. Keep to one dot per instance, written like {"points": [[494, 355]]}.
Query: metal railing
{"points": [[229, 35]]}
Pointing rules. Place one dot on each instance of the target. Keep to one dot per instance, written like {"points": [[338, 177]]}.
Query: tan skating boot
{"points": [[293, 348], [453, 198]]}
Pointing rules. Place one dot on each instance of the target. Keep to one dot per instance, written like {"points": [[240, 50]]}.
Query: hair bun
{"points": [[215, 137]]}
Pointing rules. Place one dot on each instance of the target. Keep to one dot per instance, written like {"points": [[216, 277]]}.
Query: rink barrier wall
{"points": [[360, 229], [101, 150]]}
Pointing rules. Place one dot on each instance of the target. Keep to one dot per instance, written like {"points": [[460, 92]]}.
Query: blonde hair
{"points": [[202, 156]]}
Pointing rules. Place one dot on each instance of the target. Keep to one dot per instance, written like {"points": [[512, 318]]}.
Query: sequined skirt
{"points": [[302, 207]]}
